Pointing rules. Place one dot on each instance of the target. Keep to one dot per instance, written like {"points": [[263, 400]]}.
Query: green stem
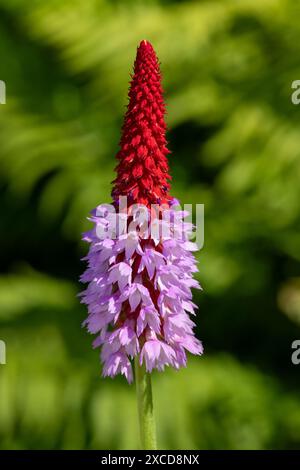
{"points": [[145, 407]]}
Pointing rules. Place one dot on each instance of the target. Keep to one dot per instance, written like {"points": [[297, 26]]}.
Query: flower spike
{"points": [[139, 281]]}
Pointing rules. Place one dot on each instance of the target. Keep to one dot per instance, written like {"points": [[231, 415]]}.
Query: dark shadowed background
{"points": [[234, 133]]}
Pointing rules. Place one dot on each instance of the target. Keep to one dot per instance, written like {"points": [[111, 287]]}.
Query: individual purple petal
{"points": [[116, 363], [148, 316], [156, 353], [120, 273]]}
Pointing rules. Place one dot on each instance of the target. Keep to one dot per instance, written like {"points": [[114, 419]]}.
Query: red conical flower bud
{"points": [[142, 172]]}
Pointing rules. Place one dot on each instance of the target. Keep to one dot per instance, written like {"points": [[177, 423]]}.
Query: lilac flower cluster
{"points": [[139, 294]]}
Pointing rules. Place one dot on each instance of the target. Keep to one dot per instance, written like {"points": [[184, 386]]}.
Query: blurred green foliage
{"points": [[234, 135]]}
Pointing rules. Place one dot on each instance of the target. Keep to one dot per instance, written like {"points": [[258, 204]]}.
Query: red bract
{"points": [[142, 172]]}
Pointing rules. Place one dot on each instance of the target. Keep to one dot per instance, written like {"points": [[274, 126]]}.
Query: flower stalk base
{"points": [[145, 407]]}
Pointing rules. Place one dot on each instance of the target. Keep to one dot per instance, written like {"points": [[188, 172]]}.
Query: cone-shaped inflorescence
{"points": [[142, 172], [140, 277]]}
